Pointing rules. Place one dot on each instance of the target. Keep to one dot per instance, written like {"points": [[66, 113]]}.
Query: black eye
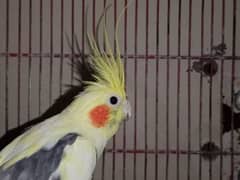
{"points": [[113, 100]]}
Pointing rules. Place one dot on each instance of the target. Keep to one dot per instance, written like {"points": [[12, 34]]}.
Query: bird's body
{"points": [[67, 145], [37, 157], [51, 163]]}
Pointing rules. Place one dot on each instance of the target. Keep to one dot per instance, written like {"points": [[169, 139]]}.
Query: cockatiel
{"points": [[67, 145]]}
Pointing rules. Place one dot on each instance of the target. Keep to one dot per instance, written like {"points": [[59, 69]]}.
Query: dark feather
{"points": [[81, 63], [227, 116], [82, 67], [84, 72], [40, 165]]}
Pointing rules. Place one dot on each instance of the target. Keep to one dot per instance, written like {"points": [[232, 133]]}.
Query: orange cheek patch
{"points": [[99, 115]]}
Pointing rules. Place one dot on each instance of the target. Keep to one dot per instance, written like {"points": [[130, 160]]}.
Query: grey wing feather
{"points": [[40, 165]]}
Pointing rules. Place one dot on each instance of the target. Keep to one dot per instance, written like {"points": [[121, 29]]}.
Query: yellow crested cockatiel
{"points": [[67, 145]]}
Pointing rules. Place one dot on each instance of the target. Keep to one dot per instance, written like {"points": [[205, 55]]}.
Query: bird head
{"points": [[102, 105]]}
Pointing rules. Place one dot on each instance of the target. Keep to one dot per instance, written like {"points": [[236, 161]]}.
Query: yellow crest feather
{"points": [[109, 68]]}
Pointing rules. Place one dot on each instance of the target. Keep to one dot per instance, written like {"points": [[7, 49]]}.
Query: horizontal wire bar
{"points": [[129, 56], [171, 151]]}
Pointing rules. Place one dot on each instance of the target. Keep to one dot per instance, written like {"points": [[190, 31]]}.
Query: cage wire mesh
{"points": [[183, 80]]}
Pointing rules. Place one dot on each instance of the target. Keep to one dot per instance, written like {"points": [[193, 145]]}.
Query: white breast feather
{"points": [[78, 162]]}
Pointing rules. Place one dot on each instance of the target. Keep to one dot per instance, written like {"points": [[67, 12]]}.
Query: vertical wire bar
{"points": [[210, 86], [179, 79], [40, 58], [201, 89], [114, 138], [94, 18], [83, 26], [29, 59], [104, 152], [146, 93], [221, 91], [125, 67], [232, 83], [104, 7], [72, 35], [189, 87], [19, 60], [135, 86], [51, 52], [61, 48], [167, 88], [93, 28], [156, 84], [7, 64]]}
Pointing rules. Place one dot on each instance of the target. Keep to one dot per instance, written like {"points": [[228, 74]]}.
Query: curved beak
{"points": [[127, 109]]}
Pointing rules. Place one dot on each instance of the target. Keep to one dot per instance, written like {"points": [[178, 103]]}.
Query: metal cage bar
{"points": [[201, 89], [7, 66], [157, 89], [29, 61], [178, 83], [151, 44], [221, 88], [125, 65], [40, 57]]}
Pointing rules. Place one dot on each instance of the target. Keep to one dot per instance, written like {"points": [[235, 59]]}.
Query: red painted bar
{"points": [[51, 52], [221, 91], [19, 61], [29, 60], [156, 84], [129, 56], [93, 26], [72, 38], [170, 151], [189, 88], [114, 138], [135, 86], [233, 80], [210, 87], [125, 67], [167, 90], [146, 92], [104, 152], [83, 26], [178, 83], [61, 48], [94, 18], [201, 89], [7, 65], [40, 57]]}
